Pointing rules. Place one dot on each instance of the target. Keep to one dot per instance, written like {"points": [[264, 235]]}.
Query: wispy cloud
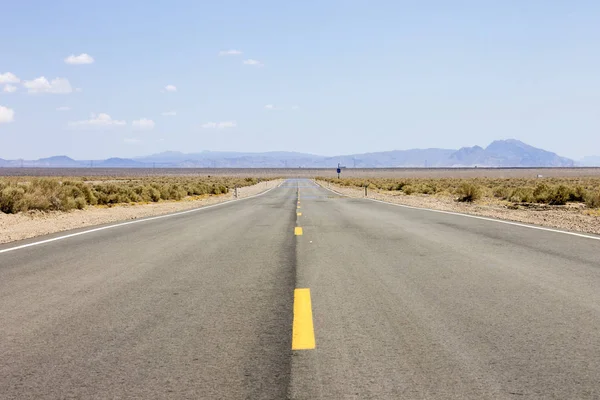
{"points": [[42, 85], [6, 115], [219, 125], [231, 52], [132, 140], [170, 88], [269, 107], [81, 59], [63, 108], [9, 89], [9, 77], [295, 108], [99, 120], [169, 113], [143, 124], [254, 63]]}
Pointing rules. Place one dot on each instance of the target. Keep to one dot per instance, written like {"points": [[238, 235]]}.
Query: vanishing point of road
{"points": [[300, 293]]}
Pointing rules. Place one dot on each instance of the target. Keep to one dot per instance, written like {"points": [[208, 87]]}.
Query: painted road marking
{"points": [[137, 221], [303, 331], [299, 214], [539, 228], [298, 231], [298, 207]]}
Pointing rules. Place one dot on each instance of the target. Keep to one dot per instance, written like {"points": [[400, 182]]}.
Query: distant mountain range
{"points": [[500, 153]]}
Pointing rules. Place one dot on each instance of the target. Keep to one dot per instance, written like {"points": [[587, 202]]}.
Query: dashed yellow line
{"points": [[298, 231], [303, 331], [299, 214]]}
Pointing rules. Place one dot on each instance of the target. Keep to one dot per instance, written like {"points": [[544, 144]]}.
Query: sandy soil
{"points": [[27, 225], [309, 172], [572, 217]]}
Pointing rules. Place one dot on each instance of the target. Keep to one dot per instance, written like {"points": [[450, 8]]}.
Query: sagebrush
{"points": [[49, 194], [551, 191]]}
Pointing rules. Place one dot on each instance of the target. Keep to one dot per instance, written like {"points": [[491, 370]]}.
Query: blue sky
{"points": [[333, 77]]}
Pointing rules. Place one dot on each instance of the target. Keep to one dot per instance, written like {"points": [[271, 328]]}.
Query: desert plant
{"points": [[559, 195], [468, 192], [592, 199], [521, 195]]}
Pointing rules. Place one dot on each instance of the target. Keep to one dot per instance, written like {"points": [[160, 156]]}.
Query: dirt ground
{"points": [[571, 217], [308, 172], [31, 224]]}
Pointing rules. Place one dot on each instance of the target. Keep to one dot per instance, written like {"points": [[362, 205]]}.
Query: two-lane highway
{"points": [[391, 303]]}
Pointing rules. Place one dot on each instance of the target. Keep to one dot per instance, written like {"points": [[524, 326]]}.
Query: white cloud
{"points": [[144, 123], [9, 89], [99, 120], [42, 85], [295, 108], [231, 52], [219, 125], [9, 77], [170, 88], [132, 140], [63, 108], [252, 62], [81, 59], [6, 115], [270, 107], [169, 113]]}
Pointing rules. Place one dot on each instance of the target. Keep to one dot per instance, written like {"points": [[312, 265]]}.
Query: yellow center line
{"points": [[298, 231], [303, 331], [299, 214]]}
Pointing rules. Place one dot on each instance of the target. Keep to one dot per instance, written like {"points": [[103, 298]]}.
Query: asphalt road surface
{"points": [[402, 304]]}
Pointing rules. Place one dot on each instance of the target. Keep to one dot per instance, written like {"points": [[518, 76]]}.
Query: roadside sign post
{"points": [[366, 195], [339, 170]]}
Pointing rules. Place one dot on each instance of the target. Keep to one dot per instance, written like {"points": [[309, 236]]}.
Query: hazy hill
{"points": [[57, 161], [500, 153], [508, 153]]}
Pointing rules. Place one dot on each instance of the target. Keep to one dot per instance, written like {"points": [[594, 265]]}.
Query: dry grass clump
{"points": [[551, 191], [49, 194], [468, 192]]}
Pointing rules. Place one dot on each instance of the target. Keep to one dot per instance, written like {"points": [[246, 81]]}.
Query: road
{"points": [[401, 304]]}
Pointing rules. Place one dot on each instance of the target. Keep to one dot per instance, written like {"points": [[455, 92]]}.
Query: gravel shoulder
{"points": [[571, 217], [31, 224]]}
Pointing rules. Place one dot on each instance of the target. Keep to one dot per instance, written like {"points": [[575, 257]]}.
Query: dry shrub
{"points": [[53, 194], [553, 191], [469, 192], [592, 199]]}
